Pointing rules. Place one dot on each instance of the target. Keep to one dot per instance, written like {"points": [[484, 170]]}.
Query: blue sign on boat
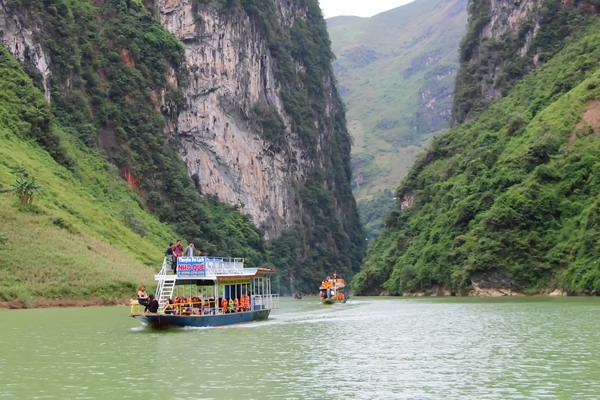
{"points": [[191, 266]]}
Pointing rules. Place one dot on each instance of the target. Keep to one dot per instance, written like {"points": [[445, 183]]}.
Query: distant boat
{"points": [[209, 292], [332, 290]]}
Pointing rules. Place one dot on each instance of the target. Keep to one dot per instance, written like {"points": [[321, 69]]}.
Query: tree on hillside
{"points": [[24, 187]]}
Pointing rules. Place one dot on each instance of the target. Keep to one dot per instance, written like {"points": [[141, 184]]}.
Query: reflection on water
{"points": [[368, 348]]}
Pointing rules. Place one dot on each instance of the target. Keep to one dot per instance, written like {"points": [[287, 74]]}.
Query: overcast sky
{"points": [[359, 8]]}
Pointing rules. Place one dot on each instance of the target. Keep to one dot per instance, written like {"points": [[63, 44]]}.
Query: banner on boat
{"points": [[191, 266]]}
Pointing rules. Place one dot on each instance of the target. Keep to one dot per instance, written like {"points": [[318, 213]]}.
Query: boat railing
{"points": [[160, 278], [136, 307], [266, 301], [224, 266], [259, 302], [192, 308], [165, 267]]}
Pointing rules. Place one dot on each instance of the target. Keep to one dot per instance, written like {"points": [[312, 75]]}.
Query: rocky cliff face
{"points": [[17, 36], [497, 49], [516, 22], [506, 40], [230, 72]]}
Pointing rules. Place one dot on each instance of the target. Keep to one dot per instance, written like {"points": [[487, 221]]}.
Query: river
{"points": [[368, 348]]}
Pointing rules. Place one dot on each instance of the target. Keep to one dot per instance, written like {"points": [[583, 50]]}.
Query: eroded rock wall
{"points": [[230, 72], [17, 36]]}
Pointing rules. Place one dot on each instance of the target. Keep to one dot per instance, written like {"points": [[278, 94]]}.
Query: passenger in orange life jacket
{"points": [[196, 304], [224, 305]]}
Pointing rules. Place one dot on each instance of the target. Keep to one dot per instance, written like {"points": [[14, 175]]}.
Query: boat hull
{"points": [[332, 301], [160, 321]]}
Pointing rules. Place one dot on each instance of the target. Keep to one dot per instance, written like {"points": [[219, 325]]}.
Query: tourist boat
{"points": [[333, 290], [207, 291]]}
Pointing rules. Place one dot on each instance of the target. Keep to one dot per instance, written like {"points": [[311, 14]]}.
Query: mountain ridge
{"points": [[396, 74]]}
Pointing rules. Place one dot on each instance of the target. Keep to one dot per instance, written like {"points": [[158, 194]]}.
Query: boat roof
{"points": [[214, 268]]}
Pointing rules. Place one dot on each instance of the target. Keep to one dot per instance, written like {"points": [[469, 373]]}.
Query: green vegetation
{"points": [[510, 199], [372, 212], [24, 187], [396, 74], [69, 243]]}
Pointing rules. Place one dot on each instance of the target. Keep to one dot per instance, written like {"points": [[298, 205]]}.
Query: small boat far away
{"points": [[332, 290], [207, 291]]}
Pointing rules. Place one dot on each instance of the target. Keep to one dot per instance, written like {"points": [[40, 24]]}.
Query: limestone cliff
{"points": [[17, 37], [505, 40], [231, 70]]}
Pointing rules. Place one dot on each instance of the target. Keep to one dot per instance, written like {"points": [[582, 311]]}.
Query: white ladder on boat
{"points": [[166, 285], [165, 290]]}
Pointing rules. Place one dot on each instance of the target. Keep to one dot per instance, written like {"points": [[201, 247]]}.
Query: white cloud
{"points": [[359, 8]]}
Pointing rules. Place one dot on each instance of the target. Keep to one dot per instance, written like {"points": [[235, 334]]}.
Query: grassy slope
{"points": [[376, 89], [510, 198], [71, 243]]}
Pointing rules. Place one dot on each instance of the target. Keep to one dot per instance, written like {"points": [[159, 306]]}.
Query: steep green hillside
{"points": [[396, 75], [84, 236], [511, 199]]}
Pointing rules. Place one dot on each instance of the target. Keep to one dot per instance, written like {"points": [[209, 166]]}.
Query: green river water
{"points": [[368, 348]]}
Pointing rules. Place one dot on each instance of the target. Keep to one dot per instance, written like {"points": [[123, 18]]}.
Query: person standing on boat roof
{"points": [[177, 252], [170, 257], [178, 249], [189, 251]]}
